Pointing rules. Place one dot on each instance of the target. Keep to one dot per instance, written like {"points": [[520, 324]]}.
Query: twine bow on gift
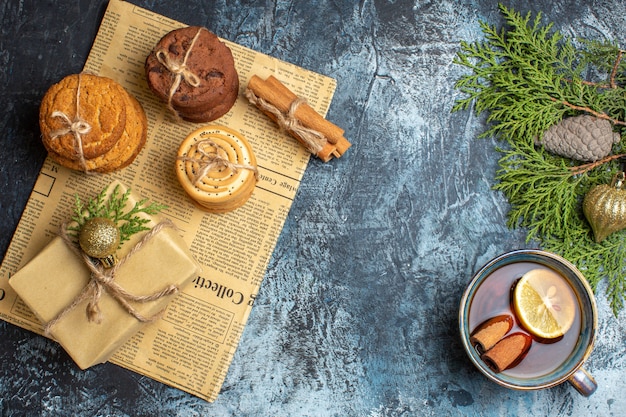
{"points": [[179, 70], [102, 279], [210, 160], [313, 140], [77, 127]]}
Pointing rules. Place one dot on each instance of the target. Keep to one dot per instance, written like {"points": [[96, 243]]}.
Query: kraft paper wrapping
{"points": [[56, 276]]}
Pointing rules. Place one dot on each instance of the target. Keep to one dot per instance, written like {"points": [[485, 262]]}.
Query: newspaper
{"points": [[192, 346]]}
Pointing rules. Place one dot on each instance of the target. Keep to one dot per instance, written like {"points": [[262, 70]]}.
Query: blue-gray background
{"points": [[357, 315]]}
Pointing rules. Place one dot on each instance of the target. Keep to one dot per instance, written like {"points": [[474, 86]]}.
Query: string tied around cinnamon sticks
{"points": [[179, 70], [76, 126], [103, 280], [313, 140], [210, 160], [294, 115]]}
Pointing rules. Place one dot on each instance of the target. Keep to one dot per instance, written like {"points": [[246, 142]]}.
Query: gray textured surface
{"points": [[357, 314]]}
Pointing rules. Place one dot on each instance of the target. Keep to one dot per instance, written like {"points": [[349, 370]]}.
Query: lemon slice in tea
{"points": [[544, 303]]}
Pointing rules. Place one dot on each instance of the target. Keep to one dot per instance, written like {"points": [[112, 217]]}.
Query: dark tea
{"points": [[493, 299]]}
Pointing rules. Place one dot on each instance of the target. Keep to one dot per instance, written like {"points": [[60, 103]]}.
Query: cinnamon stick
{"points": [[305, 113], [275, 94], [508, 352], [488, 333]]}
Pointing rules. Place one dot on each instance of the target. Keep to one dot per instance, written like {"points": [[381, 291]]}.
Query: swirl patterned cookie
{"points": [[217, 168]]}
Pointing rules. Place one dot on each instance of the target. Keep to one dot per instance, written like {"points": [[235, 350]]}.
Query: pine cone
{"points": [[583, 138]]}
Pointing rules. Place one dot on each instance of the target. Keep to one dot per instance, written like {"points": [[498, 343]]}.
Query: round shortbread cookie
{"points": [[230, 181], [101, 104], [137, 132], [126, 149]]}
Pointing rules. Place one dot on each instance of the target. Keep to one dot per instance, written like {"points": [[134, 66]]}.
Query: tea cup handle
{"points": [[583, 382]]}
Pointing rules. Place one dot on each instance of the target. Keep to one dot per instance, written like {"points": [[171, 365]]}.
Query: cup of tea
{"points": [[528, 321]]}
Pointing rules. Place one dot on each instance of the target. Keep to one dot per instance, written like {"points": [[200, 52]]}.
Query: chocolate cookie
{"points": [[188, 56]]}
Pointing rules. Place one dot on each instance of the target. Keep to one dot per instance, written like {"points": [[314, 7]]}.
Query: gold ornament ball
{"points": [[605, 208], [99, 237]]}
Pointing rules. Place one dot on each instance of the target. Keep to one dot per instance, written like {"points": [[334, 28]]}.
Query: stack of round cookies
{"points": [[194, 73], [91, 123], [217, 168]]}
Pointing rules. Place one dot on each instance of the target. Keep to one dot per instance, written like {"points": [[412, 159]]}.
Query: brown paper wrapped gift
{"points": [[54, 279]]}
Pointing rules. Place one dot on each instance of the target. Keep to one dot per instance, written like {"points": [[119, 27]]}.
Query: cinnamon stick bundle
{"points": [[293, 114]]}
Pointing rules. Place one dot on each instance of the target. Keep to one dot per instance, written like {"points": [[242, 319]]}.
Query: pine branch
{"points": [[114, 208], [581, 169], [539, 188], [528, 77]]}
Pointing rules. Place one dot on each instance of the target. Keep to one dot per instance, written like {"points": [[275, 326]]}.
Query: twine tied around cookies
{"points": [[179, 70], [102, 279], [76, 126], [210, 160]]}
